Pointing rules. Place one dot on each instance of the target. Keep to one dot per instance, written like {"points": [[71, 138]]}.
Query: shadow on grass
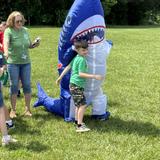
{"points": [[22, 127], [33, 146], [43, 116], [126, 127]]}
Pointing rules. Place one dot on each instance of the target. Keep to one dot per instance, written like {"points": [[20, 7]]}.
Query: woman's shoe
{"points": [[28, 113], [12, 114]]}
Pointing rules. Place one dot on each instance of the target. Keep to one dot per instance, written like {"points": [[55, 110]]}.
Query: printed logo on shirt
{"points": [[24, 56]]}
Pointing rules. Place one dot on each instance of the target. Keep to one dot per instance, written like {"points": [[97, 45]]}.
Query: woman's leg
{"points": [[25, 75], [6, 113], [13, 71], [13, 104], [27, 104]]}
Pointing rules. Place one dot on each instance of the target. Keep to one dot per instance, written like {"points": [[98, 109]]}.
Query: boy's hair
{"points": [[81, 44]]}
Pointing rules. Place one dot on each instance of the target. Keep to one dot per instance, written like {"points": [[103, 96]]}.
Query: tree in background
{"points": [[135, 12], [107, 5], [53, 12]]}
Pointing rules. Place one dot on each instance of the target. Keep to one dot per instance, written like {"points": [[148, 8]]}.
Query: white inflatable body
{"points": [[97, 64]]}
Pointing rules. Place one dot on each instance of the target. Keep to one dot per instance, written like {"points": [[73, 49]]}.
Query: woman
{"points": [[16, 50]]}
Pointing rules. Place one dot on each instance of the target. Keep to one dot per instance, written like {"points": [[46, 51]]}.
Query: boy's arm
{"points": [[67, 68], [93, 76]]}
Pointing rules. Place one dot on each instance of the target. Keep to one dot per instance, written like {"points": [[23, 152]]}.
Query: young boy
{"points": [[79, 74]]}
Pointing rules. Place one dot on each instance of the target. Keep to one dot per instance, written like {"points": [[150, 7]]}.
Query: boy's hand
{"points": [[99, 77], [58, 81]]}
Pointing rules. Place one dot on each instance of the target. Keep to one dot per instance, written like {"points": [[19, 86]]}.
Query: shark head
{"points": [[91, 30], [85, 20]]}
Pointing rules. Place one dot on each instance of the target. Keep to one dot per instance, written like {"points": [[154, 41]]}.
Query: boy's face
{"points": [[2, 27], [82, 51]]}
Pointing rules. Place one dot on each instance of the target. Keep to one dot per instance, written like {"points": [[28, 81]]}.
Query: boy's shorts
{"points": [[78, 95], [1, 97]]}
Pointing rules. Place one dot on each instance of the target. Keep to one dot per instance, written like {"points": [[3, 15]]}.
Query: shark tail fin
{"points": [[41, 96]]}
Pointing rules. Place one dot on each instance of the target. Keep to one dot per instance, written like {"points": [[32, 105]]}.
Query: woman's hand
{"points": [[36, 43]]}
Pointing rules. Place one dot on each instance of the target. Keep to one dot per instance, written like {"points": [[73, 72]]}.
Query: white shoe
{"points": [[7, 140], [82, 128]]}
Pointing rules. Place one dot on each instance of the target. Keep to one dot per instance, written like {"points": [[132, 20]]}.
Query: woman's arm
{"points": [[6, 46]]}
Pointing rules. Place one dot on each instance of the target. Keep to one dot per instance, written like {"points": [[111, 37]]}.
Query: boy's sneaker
{"points": [[7, 140], [82, 128]]}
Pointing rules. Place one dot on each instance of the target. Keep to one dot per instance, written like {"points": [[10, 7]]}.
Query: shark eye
{"points": [[68, 20]]}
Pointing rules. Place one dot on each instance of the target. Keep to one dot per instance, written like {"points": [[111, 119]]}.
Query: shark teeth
{"points": [[92, 35]]}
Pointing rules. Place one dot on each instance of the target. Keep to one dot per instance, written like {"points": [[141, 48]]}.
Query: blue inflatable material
{"points": [[85, 20]]}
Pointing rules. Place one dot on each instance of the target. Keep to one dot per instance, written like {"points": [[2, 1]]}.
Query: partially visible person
{"points": [[16, 50], [19, 89], [9, 121], [2, 60], [2, 28], [6, 139], [79, 74]]}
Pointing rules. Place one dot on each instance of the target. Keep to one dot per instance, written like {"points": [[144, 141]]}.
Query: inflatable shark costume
{"points": [[85, 20]]}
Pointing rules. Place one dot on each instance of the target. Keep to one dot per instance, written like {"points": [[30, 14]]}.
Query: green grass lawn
{"points": [[133, 88]]}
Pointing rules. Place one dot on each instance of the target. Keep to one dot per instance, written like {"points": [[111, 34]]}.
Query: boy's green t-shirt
{"points": [[19, 42], [78, 64]]}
